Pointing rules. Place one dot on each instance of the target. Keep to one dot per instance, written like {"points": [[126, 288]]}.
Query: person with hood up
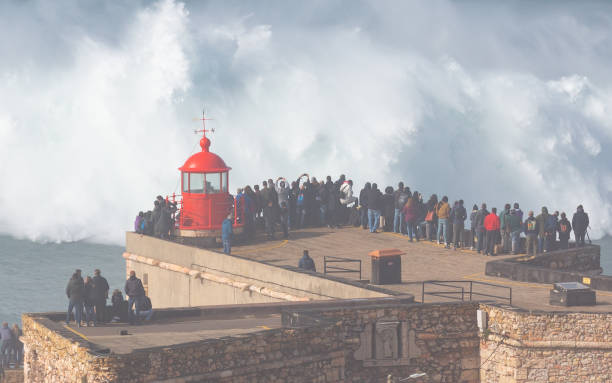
{"points": [[531, 229], [135, 291], [399, 199], [443, 213], [564, 228], [388, 209], [580, 223], [543, 222], [473, 215], [75, 290], [518, 211], [481, 243], [491, 224], [363, 205], [513, 221], [374, 208], [306, 262], [139, 223], [459, 215]]}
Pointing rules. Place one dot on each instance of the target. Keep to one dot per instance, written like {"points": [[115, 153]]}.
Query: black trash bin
{"points": [[386, 266]]}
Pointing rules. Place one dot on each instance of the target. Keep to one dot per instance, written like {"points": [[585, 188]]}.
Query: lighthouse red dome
{"points": [[204, 162]]}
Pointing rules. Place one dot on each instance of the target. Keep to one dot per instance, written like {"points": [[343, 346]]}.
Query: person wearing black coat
{"points": [[388, 208], [135, 291], [580, 223], [333, 203], [89, 302], [363, 204], [564, 228], [374, 207], [101, 287], [75, 290]]}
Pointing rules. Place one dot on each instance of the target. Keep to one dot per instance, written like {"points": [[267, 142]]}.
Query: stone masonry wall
{"points": [[313, 354], [439, 339], [445, 342], [521, 347]]}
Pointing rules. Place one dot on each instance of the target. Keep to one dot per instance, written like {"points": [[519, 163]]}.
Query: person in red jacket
{"points": [[491, 224]]}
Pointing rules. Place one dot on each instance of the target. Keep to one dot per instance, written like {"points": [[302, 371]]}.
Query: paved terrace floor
{"points": [[423, 261], [168, 332]]}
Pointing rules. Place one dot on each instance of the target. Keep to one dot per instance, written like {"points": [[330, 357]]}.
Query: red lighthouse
{"points": [[206, 200]]}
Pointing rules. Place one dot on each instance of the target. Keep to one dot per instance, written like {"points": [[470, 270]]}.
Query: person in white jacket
{"points": [[346, 193]]}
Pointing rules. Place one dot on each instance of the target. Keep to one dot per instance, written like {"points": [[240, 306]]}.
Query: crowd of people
{"points": [[282, 205], [87, 301], [308, 202], [159, 221], [11, 347]]}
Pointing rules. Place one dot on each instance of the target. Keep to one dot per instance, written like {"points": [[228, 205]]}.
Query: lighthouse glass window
{"points": [[213, 183], [196, 183]]}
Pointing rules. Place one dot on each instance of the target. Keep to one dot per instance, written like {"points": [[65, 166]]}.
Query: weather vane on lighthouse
{"points": [[204, 142]]}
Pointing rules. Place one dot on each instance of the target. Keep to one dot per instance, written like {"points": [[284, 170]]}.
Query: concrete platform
{"points": [[423, 261], [170, 332]]}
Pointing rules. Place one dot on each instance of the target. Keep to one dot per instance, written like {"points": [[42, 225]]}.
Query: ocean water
{"points": [[33, 276]]}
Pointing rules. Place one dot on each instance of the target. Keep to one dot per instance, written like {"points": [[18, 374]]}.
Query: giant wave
{"points": [[478, 100]]}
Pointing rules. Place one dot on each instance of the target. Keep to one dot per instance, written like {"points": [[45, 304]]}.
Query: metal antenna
{"points": [[204, 119]]}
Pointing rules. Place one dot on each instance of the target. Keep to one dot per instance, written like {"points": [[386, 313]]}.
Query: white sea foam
{"points": [[477, 100]]}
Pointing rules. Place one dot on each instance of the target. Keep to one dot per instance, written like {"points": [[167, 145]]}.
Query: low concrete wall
{"points": [[202, 277], [573, 265], [522, 347]]}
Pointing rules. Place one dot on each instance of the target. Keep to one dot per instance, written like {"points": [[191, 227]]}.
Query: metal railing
{"points": [[327, 269], [463, 290]]}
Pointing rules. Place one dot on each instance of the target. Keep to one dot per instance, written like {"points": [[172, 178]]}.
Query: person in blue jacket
{"points": [[226, 234], [306, 262]]}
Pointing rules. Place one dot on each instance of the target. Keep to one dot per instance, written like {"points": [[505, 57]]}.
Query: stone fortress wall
{"points": [[521, 347], [346, 341]]}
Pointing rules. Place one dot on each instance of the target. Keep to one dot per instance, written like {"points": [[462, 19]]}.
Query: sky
{"points": [[485, 101]]}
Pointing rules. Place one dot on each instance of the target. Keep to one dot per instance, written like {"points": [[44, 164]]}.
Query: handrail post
{"points": [[510, 295], [462, 299], [470, 291], [360, 269], [423, 292]]}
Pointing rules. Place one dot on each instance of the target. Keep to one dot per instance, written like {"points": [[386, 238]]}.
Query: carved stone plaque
{"points": [[386, 340]]}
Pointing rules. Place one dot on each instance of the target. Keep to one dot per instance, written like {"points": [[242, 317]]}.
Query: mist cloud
{"points": [[480, 101]]}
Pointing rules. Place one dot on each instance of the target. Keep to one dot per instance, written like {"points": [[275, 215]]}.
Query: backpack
{"points": [[531, 224]]}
